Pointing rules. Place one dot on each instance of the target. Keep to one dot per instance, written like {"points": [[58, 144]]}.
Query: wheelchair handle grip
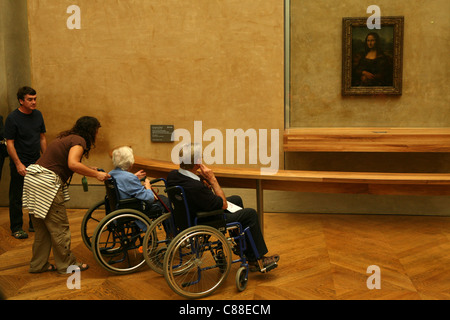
{"points": [[170, 188]]}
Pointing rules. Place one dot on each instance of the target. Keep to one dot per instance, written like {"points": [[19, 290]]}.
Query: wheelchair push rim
{"points": [[156, 242], [91, 219], [118, 239], [197, 262]]}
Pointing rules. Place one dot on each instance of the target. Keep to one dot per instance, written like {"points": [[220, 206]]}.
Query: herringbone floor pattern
{"points": [[323, 257]]}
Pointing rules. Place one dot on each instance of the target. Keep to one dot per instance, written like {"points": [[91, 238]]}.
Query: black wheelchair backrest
{"points": [[180, 210], [113, 200], [183, 219], [112, 194]]}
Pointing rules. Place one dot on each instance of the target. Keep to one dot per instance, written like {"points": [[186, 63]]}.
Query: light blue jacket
{"points": [[130, 186]]}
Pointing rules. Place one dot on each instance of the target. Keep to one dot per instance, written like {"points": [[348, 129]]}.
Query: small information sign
{"points": [[161, 132]]}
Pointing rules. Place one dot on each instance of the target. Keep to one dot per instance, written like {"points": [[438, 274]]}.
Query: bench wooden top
{"points": [[367, 139], [164, 167]]}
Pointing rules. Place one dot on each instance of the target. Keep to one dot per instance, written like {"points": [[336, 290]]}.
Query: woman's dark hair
{"points": [[86, 127]]}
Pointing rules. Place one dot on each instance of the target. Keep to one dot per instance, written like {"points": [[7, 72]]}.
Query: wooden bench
{"points": [[366, 140], [314, 181]]}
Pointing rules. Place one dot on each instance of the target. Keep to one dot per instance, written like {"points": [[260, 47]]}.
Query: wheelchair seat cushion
{"points": [[214, 219], [130, 203], [206, 214]]}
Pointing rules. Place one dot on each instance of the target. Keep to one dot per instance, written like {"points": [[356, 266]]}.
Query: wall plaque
{"points": [[161, 132]]}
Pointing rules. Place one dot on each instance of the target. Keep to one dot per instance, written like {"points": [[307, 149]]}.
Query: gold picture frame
{"points": [[372, 59]]}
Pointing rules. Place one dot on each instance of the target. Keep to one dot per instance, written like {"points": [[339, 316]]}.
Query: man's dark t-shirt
{"points": [[25, 130]]}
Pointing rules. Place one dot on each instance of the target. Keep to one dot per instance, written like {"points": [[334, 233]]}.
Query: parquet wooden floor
{"points": [[323, 257]]}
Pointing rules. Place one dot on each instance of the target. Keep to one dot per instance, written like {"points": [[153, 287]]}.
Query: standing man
{"points": [[25, 139]]}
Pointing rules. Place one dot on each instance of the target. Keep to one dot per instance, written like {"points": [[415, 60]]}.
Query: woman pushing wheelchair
{"points": [[46, 191]]}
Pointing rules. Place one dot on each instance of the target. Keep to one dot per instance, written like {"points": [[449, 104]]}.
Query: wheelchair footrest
{"points": [[268, 268]]}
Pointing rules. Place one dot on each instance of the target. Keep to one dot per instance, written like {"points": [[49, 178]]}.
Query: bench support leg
{"points": [[260, 204]]}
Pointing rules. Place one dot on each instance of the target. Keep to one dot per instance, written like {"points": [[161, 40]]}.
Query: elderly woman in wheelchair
{"points": [[129, 185], [121, 220]]}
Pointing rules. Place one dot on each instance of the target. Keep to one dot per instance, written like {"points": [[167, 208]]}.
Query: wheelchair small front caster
{"points": [[241, 278]]}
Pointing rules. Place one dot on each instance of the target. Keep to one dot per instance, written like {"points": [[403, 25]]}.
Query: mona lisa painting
{"points": [[372, 58]]}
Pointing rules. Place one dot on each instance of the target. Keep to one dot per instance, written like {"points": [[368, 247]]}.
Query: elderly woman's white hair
{"points": [[123, 158]]}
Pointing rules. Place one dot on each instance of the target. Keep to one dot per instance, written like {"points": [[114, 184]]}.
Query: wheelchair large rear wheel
{"points": [[90, 221], [197, 262], [117, 243], [156, 241]]}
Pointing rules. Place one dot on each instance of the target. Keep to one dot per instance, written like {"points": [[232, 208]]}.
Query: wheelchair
{"points": [[198, 259], [114, 229]]}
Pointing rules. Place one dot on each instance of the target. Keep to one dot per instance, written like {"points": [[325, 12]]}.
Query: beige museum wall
{"points": [[14, 52], [316, 60], [136, 63]]}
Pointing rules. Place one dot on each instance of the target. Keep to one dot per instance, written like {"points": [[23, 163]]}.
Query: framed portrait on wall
{"points": [[372, 59]]}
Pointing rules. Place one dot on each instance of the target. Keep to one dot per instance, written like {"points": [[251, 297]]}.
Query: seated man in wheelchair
{"points": [[130, 186], [203, 193]]}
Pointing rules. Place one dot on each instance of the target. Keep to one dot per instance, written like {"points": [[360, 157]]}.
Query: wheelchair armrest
{"points": [[157, 180], [206, 214]]}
